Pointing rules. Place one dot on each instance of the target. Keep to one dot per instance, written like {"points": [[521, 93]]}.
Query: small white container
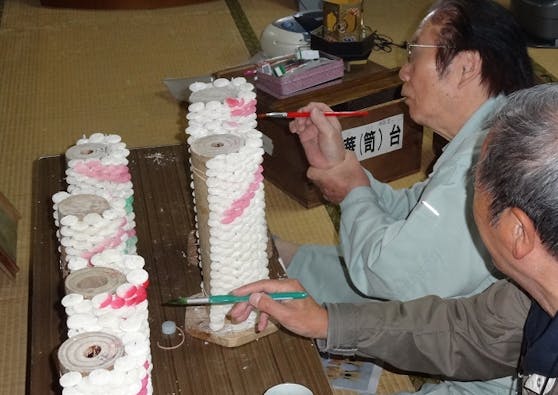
{"points": [[288, 389]]}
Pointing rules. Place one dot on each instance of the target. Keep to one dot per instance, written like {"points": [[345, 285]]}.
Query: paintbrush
{"points": [[230, 299], [295, 114]]}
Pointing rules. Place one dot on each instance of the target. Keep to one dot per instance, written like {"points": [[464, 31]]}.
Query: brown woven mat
{"points": [[65, 73]]}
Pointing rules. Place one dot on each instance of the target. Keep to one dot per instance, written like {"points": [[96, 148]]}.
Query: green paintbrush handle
{"points": [[224, 299], [230, 299]]}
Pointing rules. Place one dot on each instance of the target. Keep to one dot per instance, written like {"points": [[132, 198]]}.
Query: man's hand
{"points": [[301, 316], [320, 136], [336, 182]]}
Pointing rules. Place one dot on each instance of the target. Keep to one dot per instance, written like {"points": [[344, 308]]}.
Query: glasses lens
{"points": [[409, 52]]}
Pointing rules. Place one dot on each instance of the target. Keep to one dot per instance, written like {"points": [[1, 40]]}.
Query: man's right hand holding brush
{"points": [[333, 169]]}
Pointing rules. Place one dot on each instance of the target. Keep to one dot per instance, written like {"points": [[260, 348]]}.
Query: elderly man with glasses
{"points": [[464, 58], [512, 326]]}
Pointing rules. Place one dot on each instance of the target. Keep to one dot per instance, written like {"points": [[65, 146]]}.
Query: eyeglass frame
{"points": [[409, 47]]}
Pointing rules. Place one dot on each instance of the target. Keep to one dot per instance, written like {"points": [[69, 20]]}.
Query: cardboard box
{"points": [[314, 73]]}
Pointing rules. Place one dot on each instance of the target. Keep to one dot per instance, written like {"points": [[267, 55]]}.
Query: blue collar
{"points": [[539, 352]]}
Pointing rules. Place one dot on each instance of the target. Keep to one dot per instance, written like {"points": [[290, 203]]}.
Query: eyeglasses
{"points": [[410, 46]]}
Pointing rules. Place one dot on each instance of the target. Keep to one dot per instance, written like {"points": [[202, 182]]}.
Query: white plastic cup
{"points": [[288, 389]]}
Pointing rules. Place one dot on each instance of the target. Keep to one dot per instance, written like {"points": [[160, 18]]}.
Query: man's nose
{"points": [[405, 72]]}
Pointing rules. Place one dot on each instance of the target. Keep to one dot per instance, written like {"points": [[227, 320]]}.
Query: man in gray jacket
{"points": [[484, 336]]}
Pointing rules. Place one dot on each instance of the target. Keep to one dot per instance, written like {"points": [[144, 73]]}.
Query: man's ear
{"points": [[523, 233], [470, 64]]}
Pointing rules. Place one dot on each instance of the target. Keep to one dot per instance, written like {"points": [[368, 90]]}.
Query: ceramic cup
{"points": [[288, 389]]}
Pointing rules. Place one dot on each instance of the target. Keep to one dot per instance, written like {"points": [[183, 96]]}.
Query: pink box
{"points": [[328, 71]]}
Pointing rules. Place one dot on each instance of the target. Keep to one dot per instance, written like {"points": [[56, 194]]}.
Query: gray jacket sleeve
{"points": [[475, 338]]}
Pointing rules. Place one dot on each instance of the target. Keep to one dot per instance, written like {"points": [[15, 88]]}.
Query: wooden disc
{"points": [[86, 151], [81, 205], [197, 325], [216, 144], [213, 93], [93, 281], [89, 351]]}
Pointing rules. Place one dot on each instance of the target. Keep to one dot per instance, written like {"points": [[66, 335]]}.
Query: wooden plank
{"points": [[164, 218], [197, 325]]}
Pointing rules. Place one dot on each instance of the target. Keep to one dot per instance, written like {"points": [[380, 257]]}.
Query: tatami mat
{"points": [[64, 73], [259, 15], [291, 221]]}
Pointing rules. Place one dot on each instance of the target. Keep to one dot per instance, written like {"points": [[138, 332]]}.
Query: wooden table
{"points": [[164, 218]]}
